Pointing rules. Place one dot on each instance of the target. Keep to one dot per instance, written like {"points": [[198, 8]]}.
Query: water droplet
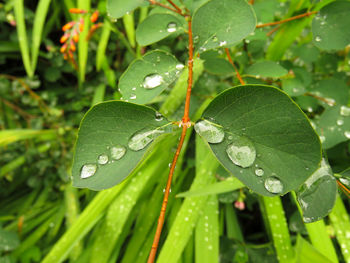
{"points": [[158, 116], [322, 138], [344, 111], [318, 39], [132, 96], [241, 151], [152, 81], [213, 133], [273, 185], [215, 39], [143, 138], [340, 122], [88, 170], [259, 172], [102, 159], [179, 66], [171, 27], [134, 88], [117, 152], [222, 43], [347, 134]]}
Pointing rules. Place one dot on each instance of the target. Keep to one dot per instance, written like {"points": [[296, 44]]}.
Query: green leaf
{"points": [[228, 185], [8, 240], [306, 253], [334, 126], [11, 136], [330, 28], [157, 27], [218, 66], [148, 76], [118, 8], [267, 69], [222, 23], [104, 152], [317, 195], [268, 134]]}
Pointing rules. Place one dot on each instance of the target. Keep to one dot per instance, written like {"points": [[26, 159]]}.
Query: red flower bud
{"points": [[240, 205], [77, 11], [64, 38], [94, 16], [68, 26]]}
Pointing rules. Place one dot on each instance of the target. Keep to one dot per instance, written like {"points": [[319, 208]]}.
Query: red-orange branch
{"points": [[345, 190], [176, 10], [234, 66], [175, 6], [287, 20], [185, 124]]}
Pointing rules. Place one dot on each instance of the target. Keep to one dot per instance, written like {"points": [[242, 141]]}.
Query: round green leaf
{"points": [[105, 128], [265, 118], [118, 8], [218, 66], [330, 27], [333, 126], [222, 23], [267, 69], [158, 65], [317, 195], [157, 27]]}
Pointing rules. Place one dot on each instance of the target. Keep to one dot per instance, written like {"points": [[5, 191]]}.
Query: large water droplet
{"points": [[340, 122], [211, 132], [347, 134], [142, 138], [318, 39], [222, 43], [117, 152], [179, 66], [88, 170], [171, 27], [102, 159], [152, 81], [273, 185], [344, 111], [241, 151], [259, 172]]}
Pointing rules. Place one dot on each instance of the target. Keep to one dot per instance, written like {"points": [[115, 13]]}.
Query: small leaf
{"points": [[222, 23], [148, 76], [317, 195], [268, 134], [110, 142], [118, 8], [157, 27], [333, 126], [267, 69], [330, 28]]}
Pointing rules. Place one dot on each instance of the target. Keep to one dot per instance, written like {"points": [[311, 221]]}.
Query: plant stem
{"points": [[287, 20], [175, 6], [178, 11], [234, 66], [186, 123]]}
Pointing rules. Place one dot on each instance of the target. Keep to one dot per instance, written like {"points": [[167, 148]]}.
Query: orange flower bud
{"points": [[64, 38], [65, 56], [94, 16], [70, 54], [72, 46], [63, 48], [92, 30], [77, 11], [76, 38], [81, 25], [68, 26]]}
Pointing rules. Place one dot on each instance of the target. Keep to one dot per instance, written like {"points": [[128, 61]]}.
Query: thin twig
{"points": [[273, 30], [287, 20], [329, 102], [234, 66], [21, 112], [175, 6], [345, 190], [186, 123], [153, 2]]}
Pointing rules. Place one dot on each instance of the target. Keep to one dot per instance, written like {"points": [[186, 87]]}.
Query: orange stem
{"points": [[344, 188], [287, 20], [273, 30], [186, 123], [329, 102], [234, 66], [153, 2], [175, 6]]}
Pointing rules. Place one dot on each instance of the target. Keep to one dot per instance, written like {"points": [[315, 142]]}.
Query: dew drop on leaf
{"points": [[88, 170], [273, 185], [222, 43], [158, 116], [179, 66], [102, 159], [259, 172], [117, 152], [211, 132], [347, 134], [143, 138], [318, 39], [344, 111], [132, 96], [241, 151], [340, 122], [152, 81], [171, 27]]}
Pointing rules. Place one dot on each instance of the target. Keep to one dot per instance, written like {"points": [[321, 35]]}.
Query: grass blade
{"points": [[22, 36], [102, 45], [39, 21], [129, 25]]}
